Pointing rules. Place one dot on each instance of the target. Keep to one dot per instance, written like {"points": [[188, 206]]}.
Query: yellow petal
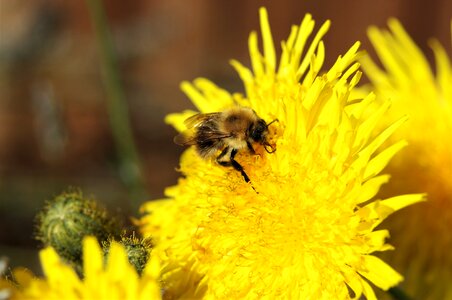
{"points": [[92, 257], [269, 47], [379, 273]]}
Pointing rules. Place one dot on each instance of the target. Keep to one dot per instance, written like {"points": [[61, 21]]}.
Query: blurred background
{"points": [[54, 121]]}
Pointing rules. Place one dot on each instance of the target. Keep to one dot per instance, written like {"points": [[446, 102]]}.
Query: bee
{"points": [[229, 131]]}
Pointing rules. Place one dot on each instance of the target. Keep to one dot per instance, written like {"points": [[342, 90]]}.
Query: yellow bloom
{"points": [[116, 280], [421, 233], [307, 232]]}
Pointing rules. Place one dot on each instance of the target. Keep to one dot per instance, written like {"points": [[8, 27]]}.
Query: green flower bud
{"points": [[69, 217], [138, 250]]}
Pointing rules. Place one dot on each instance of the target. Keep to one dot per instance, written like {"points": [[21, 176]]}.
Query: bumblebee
{"points": [[229, 131]]}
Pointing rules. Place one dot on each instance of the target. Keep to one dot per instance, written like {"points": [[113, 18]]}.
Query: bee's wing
{"points": [[198, 119], [186, 138], [189, 136]]}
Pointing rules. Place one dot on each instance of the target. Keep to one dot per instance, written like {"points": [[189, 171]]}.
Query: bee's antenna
{"points": [[275, 120]]}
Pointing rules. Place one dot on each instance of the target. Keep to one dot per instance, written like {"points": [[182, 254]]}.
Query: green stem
{"points": [[128, 158], [398, 294]]}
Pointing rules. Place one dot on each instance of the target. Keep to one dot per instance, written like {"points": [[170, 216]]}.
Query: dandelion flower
{"points": [[116, 280], [426, 165], [307, 231]]}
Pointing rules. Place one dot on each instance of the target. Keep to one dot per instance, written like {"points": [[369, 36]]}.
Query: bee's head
{"points": [[258, 131]]}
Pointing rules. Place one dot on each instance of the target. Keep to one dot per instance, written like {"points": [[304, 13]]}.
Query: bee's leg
{"points": [[226, 161], [232, 162], [237, 166], [250, 147], [222, 159]]}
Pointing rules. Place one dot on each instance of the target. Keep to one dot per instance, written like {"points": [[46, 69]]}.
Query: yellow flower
{"points": [[421, 233], [116, 280], [307, 231]]}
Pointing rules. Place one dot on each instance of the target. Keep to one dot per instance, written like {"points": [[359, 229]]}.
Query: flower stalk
{"points": [[129, 165]]}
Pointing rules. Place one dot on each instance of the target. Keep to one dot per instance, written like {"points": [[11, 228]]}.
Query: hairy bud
{"points": [[69, 217], [138, 250]]}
